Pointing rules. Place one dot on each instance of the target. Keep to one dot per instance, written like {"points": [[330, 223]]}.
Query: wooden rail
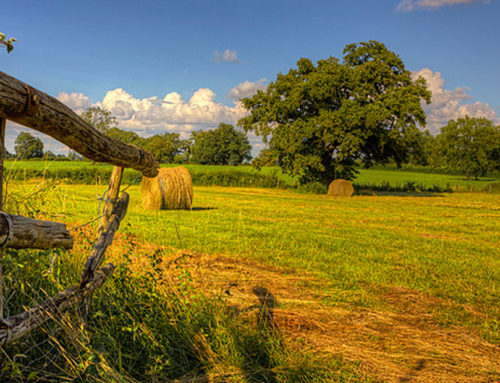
{"points": [[27, 233], [18, 325], [37, 110]]}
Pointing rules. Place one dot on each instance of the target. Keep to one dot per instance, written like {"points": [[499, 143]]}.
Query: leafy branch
{"points": [[8, 43]]}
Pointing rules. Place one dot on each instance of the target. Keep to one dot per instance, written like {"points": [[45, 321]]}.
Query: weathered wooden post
{"points": [[112, 197], [2, 154]]}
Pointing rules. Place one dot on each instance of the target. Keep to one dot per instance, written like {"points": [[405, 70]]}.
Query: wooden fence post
{"points": [[2, 153], [112, 197]]}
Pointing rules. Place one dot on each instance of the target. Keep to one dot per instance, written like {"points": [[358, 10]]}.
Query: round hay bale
{"points": [[151, 192], [187, 180], [341, 188], [171, 189]]}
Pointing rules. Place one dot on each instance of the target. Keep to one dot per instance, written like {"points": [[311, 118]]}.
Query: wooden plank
{"points": [[112, 197], [95, 258], [28, 233], [19, 325], [32, 108], [3, 121]]}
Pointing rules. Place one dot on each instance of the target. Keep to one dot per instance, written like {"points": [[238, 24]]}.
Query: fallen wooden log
{"points": [[19, 325], [23, 233], [105, 238], [37, 110]]}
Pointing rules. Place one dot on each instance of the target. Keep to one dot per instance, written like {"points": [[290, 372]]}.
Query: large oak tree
{"points": [[318, 120]]}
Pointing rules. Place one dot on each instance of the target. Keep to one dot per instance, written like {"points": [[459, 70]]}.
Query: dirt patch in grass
{"points": [[402, 343]]}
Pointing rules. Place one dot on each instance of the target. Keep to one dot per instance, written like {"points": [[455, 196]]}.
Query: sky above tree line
{"points": [[179, 66]]}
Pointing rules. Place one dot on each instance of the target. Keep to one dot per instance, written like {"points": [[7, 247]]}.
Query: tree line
{"points": [[321, 122], [225, 145]]}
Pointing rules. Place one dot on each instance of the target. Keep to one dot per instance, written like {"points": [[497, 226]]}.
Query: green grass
{"points": [[442, 245], [140, 327], [207, 175]]}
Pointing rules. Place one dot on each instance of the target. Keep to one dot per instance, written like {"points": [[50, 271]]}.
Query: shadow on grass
{"points": [[402, 194], [201, 208]]}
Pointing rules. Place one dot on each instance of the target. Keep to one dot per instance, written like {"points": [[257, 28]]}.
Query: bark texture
{"points": [[37, 110], [28, 233]]}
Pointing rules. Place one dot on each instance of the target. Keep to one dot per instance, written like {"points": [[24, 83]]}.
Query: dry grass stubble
{"points": [[399, 345]]}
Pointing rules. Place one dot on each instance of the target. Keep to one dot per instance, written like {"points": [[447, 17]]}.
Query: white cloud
{"points": [[76, 101], [12, 131], [410, 5], [247, 89], [152, 115], [227, 56], [147, 116], [448, 104]]}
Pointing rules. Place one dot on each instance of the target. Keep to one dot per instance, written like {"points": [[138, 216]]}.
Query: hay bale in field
{"points": [[171, 189], [341, 188], [187, 180]]}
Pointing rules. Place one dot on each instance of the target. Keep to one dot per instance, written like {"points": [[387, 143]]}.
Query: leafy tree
{"points": [[99, 118], [222, 146], [418, 147], [320, 120], [164, 147], [126, 136], [74, 156], [470, 146], [49, 155], [7, 43], [28, 146]]}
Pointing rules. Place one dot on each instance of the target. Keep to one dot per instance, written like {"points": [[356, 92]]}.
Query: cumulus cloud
{"points": [[148, 116], [76, 101], [247, 89], [227, 56], [153, 115], [449, 104], [410, 5]]}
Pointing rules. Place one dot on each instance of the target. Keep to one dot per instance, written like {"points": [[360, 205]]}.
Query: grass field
{"points": [[368, 178], [387, 287]]}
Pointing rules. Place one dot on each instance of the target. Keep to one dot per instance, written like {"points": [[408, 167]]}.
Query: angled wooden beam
{"points": [[105, 239], [19, 325], [37, 110], [27, 233]]}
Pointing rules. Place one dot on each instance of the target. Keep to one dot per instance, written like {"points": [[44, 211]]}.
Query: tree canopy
{"points": [[27, 146], [99, 118], [222, 146], [164, 147], [318, 120], [470, 146]]}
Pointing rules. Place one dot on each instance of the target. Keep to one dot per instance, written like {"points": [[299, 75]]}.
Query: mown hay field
{"points": [[406, 287]]}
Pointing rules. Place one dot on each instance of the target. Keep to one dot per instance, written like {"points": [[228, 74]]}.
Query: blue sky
{"points": [[181, 65]]}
